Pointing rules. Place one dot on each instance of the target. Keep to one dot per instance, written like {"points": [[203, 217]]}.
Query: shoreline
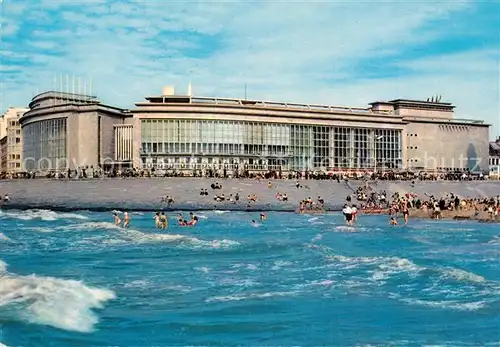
{"points": [[423, 215], [144, 195], [19, 207]]}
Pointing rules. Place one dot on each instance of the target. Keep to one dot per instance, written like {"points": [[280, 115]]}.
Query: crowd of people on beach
{"points": [[91, 172]]}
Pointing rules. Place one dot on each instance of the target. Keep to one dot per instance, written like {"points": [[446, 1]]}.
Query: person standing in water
{"points": [[347, 211], [126, 221], [157, 220], [405, 209], [118, 221], [163, 221]]}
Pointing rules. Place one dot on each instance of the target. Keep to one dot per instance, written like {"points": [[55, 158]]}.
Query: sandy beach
{"points": [[145, 194]]}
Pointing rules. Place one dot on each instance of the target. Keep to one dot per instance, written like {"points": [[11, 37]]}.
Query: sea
{"points": [[75, 279]]}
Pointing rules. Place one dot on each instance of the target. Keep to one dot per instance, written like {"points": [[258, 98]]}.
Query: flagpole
{"points": [[61, 88], [85, 87], [54, 87], [90, 87], [73, 85], [79, 87]]}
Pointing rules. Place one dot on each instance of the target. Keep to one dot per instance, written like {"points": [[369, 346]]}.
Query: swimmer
{"points": [[263, 216], [354, 210], [118, 221], [157, 220], [194, 219], [163, 221], [126, 221], [394, 221]]}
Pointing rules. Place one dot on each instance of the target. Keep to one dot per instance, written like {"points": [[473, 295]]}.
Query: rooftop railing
{"points": [[267, 104]]}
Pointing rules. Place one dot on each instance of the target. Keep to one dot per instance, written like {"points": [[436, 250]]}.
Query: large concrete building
{"points": [[183, 132], [69, 131], [11, 141]]}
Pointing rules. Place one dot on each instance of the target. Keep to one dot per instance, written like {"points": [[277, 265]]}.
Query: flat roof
{"points": [[186, 99]]}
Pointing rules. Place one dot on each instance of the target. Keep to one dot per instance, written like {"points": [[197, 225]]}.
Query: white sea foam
{"points": [[3, 237], [239, 282], [242, 296], [64, 304], [2, 345], [345, 228], [221, 211], [203, 269], [119, 235], [462, 275], [495, 241], [383, 268], [45, 215], [42, 229], [3, 267], [317, 238], [454, 305]]}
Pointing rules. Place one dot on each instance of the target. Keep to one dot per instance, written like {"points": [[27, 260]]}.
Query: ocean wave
{"points": [[126, 236], [494, 241], [243, 296], [63, 304], [384, 267], [454, 305], [3, 237], [45, 215], [461, 275]]}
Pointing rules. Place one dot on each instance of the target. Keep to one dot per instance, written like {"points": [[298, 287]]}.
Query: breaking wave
{"points": [[45, 215], [63, 304]]}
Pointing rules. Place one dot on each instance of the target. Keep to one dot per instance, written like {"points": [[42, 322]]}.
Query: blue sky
{"points": [[329, 52]]}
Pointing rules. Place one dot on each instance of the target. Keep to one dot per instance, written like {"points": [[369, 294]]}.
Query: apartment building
{"points": [[11, 141]]}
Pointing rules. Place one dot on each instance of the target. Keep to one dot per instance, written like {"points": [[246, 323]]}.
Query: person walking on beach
{"points": [[118, 221], [126, 221]]}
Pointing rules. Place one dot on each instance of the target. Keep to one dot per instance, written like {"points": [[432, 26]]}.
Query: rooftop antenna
{"points": [[54, 88], [61, 88], [90, 87]]}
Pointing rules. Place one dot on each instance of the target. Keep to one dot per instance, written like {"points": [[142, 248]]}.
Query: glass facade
{"points": [[198, 144], [45, 145]]}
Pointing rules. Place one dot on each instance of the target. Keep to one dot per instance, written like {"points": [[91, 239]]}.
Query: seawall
{"points": [[144, 194]]}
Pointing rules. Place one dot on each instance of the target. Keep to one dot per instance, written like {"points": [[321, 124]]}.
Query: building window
{"points": [[273, 146], [45, 145]]}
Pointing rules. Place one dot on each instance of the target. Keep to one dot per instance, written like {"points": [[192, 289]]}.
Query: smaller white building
{"points": [[494, 159]]}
